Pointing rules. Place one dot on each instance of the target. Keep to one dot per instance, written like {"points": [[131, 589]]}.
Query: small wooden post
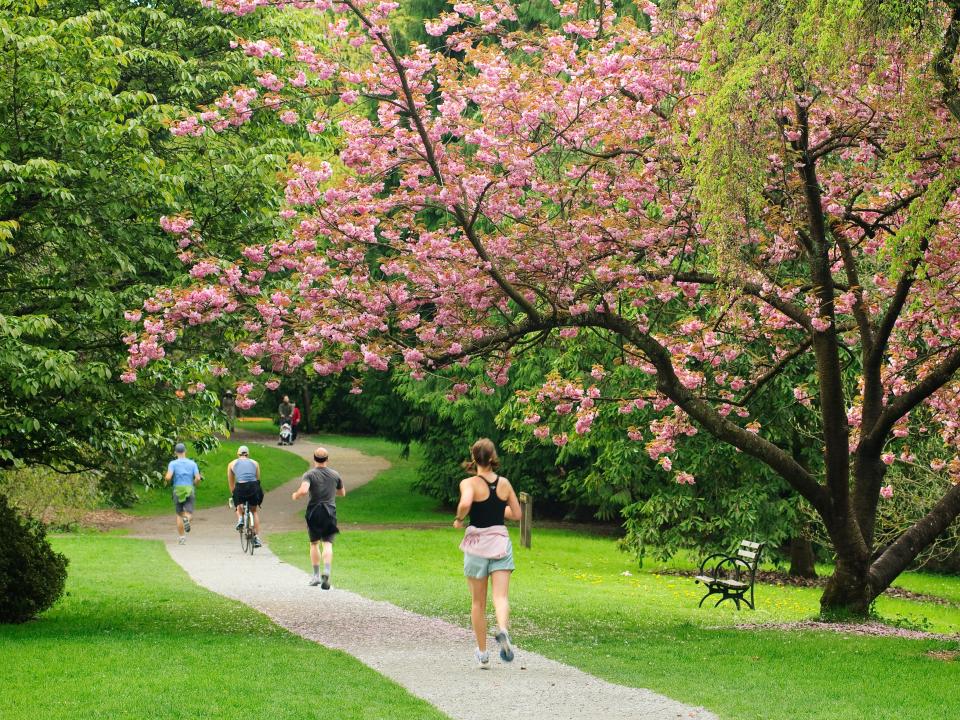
{"points": [[526, 518]]}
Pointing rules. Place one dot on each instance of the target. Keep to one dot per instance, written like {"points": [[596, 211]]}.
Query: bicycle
{"points": [[247, 532]]}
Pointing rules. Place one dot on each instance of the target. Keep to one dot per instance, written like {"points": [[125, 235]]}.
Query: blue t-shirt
{"points": [[184, 470]]}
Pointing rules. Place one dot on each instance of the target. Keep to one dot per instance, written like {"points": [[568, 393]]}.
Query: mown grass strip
{"points": [[392, 496], [136, 638], [277, 467]]}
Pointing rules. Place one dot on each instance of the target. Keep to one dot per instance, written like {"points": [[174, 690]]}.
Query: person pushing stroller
{"points": [[286, 421]]}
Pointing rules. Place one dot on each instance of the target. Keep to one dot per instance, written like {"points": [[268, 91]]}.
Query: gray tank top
{"points": [[245, 471]]}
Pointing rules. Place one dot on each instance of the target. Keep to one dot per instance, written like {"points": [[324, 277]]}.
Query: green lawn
{"points": [[572, 602], [578, 599], [136, 638], [391, 495], [262, 425], [390, 498], [276, 467], [944, 586]]}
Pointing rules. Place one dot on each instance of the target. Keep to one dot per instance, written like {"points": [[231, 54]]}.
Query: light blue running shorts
{"points": [[480, 567]]}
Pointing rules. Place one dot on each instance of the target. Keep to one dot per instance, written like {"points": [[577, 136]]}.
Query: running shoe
{"points": [[483, 659], [181, 540], [239, 525], [186, 524], [314, 581], [324, 582], [506, 650], [256, 542]]}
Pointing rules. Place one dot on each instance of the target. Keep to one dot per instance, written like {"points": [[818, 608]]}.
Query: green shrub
{"points": [[32, 575], [58, 500]]}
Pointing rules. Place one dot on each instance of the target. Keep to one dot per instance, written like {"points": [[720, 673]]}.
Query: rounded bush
{"points": [[32, 575]]}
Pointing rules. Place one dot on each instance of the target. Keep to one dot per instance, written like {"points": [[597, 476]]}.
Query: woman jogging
{"points": [[487, 552]]}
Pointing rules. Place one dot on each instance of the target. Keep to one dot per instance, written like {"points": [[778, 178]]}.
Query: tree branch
{"points": [[794, 312], [431, 159], [776, 369], [904, 550], [720, 427], [943, 61], [903, 404]]}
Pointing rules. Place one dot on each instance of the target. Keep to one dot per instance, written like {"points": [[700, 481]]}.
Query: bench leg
{"points": [[736, 597]]}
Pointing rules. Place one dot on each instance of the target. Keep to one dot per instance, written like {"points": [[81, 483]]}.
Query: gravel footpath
{"points": [[431, 658]]}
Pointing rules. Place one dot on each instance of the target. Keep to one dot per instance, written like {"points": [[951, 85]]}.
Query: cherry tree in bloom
{"points": [[724, 230]]}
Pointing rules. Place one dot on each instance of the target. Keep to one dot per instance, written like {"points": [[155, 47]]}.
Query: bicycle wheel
{"points": [[251, 532], [244, 536]]}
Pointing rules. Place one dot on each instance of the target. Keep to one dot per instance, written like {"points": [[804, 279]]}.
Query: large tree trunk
{"points": [[858, 579], [848, 591], [801, 558]]}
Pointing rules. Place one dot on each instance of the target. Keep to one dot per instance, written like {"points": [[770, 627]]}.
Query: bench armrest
{"points": [[706, 561]]}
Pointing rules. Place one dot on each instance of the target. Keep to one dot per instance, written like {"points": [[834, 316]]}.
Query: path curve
{"points": [[431, 658], [280, 513]]}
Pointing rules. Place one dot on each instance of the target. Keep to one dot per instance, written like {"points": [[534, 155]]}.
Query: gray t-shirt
{"points": [[324, 483]]}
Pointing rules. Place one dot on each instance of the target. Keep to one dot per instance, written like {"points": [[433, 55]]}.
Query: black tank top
{"points": [[489, 512]]}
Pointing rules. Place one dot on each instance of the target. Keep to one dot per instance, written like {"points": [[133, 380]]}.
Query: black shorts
{"points": [[250, 492], [321, 525]]}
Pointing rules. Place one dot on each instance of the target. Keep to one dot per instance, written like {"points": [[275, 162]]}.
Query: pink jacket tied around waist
{"points": [[492, 542]]}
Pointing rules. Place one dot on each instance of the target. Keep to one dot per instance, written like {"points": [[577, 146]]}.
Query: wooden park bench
{"points": [[731, 576]]}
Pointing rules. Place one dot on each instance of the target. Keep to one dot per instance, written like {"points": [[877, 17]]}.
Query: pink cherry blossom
{"points": [[524, 187]]}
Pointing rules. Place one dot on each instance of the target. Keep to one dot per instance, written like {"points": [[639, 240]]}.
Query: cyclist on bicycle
{"points": [[243, 475]]}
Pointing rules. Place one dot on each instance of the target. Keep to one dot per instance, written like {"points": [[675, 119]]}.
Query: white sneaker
{"points": [[506, 650], [181, 540], [483, 659]]}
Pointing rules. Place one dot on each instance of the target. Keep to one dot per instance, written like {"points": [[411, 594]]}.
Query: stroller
{"points": [[286, 432]]}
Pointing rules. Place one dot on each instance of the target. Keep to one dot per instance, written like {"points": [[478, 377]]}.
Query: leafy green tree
{"points": [[87, 168]]}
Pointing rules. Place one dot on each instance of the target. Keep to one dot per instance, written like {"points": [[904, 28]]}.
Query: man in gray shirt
{"points": [[324, 486]]}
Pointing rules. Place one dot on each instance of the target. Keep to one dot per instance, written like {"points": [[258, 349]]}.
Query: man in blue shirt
{"points": [[184, 474]]}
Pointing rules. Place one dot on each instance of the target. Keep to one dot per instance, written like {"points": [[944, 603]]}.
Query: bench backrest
{"points": [[749, 554]]}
